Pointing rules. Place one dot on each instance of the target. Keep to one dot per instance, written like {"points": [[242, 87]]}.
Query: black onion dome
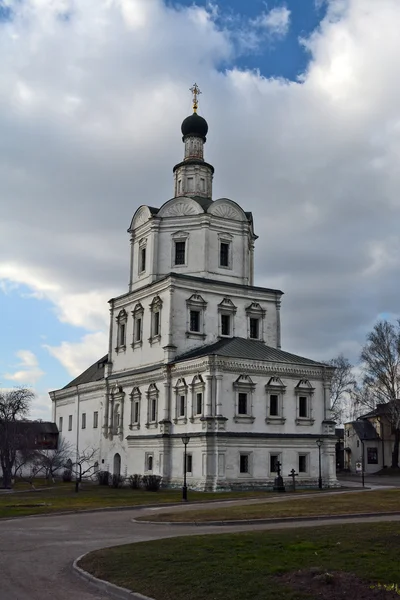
{"points": [[195, 125]]}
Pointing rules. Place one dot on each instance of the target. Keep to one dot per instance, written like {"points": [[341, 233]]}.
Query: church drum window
{"points": [[224, 254], [180, 253]]}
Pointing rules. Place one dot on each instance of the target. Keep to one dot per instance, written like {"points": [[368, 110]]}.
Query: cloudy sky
{"points": [[303, 105]]}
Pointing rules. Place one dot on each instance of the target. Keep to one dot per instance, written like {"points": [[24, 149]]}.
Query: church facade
{"points": [[195, 350]]}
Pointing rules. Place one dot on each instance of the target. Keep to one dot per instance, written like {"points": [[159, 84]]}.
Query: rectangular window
{"points": [[153, 409], [95, 420], [254, 329], [70, 423], [199, 404], [179, 186], [189, 463], [190, 184], [136, 412], [224, 254], [142, 260], [244, 463], [122, 331], [273, 405], [60, 424], [156, 323], [138, 332], [182, 406], [303, 406], [194, 320], [180, 248], [242, 404], [225, 325], [149, 462], [372, 456], [302, 463], [273, 460], [202, 184], [83, 420]]}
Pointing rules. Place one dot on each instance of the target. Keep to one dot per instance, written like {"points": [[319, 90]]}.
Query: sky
{"points": [[302, 99]]}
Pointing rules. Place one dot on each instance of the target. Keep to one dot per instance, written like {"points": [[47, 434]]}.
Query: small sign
{"points": [[358, 467]]}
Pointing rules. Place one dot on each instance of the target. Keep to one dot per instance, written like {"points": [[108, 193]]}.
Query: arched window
{"points": [[122, 319]]}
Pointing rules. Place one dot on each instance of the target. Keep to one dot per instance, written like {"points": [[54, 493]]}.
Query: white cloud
{"points": [[275, 22], [28, 371], [78, 356], [90, 114]]}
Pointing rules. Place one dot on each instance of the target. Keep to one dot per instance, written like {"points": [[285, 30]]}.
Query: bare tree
{"points": [[381, 384], [84, 465], [14, 407], [54, 460], [342, 385]]}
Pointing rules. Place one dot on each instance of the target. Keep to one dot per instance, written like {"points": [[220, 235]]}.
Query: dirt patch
{"points": [[337, 585]]}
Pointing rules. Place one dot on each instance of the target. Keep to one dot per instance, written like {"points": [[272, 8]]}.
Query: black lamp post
{"points": [[319, 444], [185, 440]]}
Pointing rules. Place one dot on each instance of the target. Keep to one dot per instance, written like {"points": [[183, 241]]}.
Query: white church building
{"points": [[195, 350]]}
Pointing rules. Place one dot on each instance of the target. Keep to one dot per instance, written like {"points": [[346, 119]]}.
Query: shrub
{"points": [[67, 475], [103, 477], [152, 483], [135, 481], [117, 481]]}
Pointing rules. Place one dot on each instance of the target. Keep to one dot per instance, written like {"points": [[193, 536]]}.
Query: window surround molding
{"points": [[256, 311], [279, 457], [249, 471], [181, 389], [275, 386], [304, 389], [137, 313], [226, 307], [152, 397], [135, 398], [179, 236], [142, 245], [147, 456], [121, 319], [306, 472], [225, 238], [244, 385], [155, 307], [197, 386], [196, 302], [188, 473], [117, 410]]}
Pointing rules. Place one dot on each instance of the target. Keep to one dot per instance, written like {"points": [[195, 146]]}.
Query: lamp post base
{"points": [[184, 493]]}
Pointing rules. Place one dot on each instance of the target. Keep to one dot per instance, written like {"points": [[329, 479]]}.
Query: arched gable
{"points": [[142, 215], [179, 207], [227, 209]]}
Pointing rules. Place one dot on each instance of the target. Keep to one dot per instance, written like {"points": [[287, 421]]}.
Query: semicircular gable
{"points": [[142, 215], [227, 209], [179, 207]]}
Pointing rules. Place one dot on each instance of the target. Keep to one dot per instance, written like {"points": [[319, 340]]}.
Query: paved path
{"points": [[36, 554]]}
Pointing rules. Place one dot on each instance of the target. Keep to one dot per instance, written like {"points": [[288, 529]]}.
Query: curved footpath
{"points": [[36, 553]]}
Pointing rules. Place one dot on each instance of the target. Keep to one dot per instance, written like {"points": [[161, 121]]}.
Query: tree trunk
{"points": [[395, 452]]}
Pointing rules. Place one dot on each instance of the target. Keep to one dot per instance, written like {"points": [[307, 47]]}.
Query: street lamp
{"points": [[185, 440], [319, 444]]}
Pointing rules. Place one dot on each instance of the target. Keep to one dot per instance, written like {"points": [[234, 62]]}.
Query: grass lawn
{"points": [[62, 497], [355, 502], [251, 566]]}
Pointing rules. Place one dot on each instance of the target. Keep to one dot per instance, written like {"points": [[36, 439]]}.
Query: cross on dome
{"points": [[196, 93]]}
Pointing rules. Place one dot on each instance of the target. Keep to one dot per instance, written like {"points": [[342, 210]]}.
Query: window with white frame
{"points": [[197, 389], [152, 406], [180, 241], [95, 419], [137, 315], [226, 313], [255, 321], [122, 319], [275, 390], [83, 420], [225, 251], [155, 311], [149, 462], [135, 398], [304, 392], [69, 422], [181, 391], [189, 463], [274, 459], [303, 462], [142, 256], [244, 390], [60, 424], [196, 306], [244, 463]]}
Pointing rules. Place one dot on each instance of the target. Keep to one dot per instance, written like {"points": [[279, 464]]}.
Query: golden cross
{"points": [[196, 92]]}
